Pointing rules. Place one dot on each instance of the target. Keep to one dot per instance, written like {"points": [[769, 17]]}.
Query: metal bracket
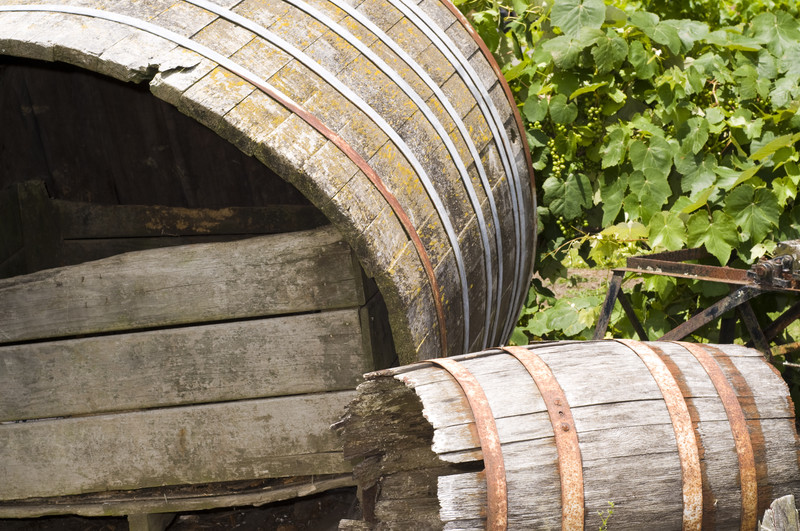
{"points": [[779, 274]]}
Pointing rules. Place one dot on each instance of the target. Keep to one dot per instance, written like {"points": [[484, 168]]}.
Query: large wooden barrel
{"points": [[675, 435], [391, 117]]}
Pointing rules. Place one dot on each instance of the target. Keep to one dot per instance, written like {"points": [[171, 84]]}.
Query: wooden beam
{"points": [[248, 439], [160, 500], [306, 353], [266, 275]]}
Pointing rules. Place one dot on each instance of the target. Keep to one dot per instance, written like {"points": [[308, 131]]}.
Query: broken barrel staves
{"points": [[680, 434]]}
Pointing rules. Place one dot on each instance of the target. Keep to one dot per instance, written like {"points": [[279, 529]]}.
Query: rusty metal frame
{"points": [[688, 449], [496, 487], [673, 264], [570, 462], [741, 436]]}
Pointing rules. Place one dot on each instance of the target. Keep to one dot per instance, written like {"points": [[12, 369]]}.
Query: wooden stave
{"points": [[409, 294]]}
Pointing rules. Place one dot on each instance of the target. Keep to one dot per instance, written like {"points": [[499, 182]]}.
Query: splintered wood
{"points": [[419, 464]]}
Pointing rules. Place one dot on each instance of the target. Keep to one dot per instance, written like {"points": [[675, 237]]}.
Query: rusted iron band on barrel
{"points": [[496, 488], [290, 105], [688, 451], [741, 436], [570, 463]]}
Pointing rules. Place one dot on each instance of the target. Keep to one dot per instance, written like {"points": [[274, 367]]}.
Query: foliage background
{"points": [[653, 125]]}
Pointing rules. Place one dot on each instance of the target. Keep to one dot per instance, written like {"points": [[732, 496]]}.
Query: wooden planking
{"points": [[272, 437], [267, 275], [89, 221], [295, 354], [146, 501]]}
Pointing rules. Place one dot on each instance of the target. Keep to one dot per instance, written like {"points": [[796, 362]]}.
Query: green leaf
{"points": [[626, 231], [654, 156], [612, 192], [562, 112], [718, 236], [735, 41], [785, 190], [614, 148], [701, 178], [689, 31], [774, 145], [568, 198], [586, 89], [486, 22], [701, 201], [714, 115], [643, 62], [564, 50], [781, 95], [777, 29], [610, 52], [573, 15], [756, 211], [652, 189], [666, 231], [661, 33], [697, 134], [746, 175], [535, 108]]}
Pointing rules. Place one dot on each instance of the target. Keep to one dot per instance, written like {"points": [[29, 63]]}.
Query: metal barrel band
{"points": [[517, 118], [688, 450], [496, 487], [496, 124], [738, 426], [570, 462], [292, 106], [351, 96]]}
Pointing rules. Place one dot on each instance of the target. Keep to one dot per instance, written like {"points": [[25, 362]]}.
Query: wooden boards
{"points": [[286, 436], [280, 274], [202, 364], [625, 433]]}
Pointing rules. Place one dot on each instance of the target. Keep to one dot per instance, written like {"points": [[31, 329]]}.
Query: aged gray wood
{"points": [[267, 275], [273, 437], [296, 354], [781, 516], [146, 502], [622, 425]]}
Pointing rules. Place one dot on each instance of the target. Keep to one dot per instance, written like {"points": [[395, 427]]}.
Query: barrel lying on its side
{"points": [[547, 436]]}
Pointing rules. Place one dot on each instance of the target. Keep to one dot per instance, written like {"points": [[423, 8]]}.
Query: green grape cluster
{"points": [[594, 120]]}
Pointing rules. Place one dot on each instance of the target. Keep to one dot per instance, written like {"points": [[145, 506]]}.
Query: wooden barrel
{"points": [[391, 117], [675, 435]]}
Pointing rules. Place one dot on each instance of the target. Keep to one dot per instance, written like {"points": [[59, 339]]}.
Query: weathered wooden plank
{"points": [[87, 220], [79, 251], [273, 437], [173, 500], [267, 275], [296, 354]]}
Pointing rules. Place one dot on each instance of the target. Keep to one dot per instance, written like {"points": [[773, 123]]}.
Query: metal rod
{"points": [[608, 305], [756, 334], [738, 297]]}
